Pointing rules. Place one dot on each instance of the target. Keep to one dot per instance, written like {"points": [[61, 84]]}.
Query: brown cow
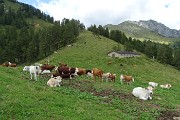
{"points": [[97, 72], [127, 79], [63, 64], [47, 67]]}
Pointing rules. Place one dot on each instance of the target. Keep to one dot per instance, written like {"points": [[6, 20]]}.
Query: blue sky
{"points": [[102, 12]]}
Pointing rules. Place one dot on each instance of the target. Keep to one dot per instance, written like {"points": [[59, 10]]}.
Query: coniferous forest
{"points": [[21, 42]]}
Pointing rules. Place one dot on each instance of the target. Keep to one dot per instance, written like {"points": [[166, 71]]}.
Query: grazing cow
{"points": [[127, 79], [112, 77], [105, 76], [47, 67], [108, 76], [153, 84], [54, 82], [81, 71], [97, 73], [167, 86], [143, 93], [33, 70]]}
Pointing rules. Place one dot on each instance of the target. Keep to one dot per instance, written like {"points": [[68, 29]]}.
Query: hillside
{"points": [[82, 98], [15, 12], [134, 30]]}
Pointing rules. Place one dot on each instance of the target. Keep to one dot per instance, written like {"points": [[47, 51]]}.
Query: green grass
{"points": [[38, 23], [22, 98]]}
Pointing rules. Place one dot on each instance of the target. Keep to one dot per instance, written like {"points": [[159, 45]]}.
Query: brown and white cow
{"points": [[81, 71], [108, 77], [12, 64], [47, 67], [9, 64], [126, 79], [66, 72], [112, 77]]}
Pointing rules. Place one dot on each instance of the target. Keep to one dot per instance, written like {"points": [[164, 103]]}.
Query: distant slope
{"points": [[132, 29]]}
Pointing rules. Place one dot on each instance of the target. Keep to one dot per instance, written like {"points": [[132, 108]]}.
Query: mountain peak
{"points": [[158, 27]]}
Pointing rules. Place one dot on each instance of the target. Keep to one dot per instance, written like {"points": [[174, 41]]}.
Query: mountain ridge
{"points": [[153, 26]]}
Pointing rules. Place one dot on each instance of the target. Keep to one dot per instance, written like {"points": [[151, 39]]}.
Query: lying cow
{"points": [[126, 79], [33, 70], [143, 93], [54, 82], [12, 64], [65, 72], [47, 67], [9, 64], [153, 84], [167, 86], [46, 72]]}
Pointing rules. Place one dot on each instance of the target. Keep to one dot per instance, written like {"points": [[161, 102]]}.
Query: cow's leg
{"points": [[31, 75], [35, 76], [70, 77], [121, 81], [94, 77]]}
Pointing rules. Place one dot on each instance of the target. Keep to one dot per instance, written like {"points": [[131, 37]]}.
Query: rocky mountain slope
{"points": [[159, 28]]}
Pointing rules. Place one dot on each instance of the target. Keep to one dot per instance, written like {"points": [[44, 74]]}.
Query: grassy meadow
{"points": [[84, 99]]}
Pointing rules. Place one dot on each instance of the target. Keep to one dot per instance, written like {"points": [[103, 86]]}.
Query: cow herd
{"points": [[63, 71]]}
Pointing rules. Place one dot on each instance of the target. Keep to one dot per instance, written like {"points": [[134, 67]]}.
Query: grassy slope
{"points": [[24, 99]]}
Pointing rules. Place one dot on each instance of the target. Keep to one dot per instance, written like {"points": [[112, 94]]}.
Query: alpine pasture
{"points": [[84, 99]]}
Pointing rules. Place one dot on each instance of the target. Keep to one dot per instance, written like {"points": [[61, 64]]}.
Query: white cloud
{"points": [[102, 12]]}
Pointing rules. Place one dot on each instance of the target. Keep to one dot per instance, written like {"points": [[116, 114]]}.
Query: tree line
{"points": [[21, 42], [164, 53]]}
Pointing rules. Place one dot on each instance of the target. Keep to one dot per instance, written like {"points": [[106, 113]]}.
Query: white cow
{"points": [[153, 84], [143, 93], [33, 70], [54, 82], [167, 86]]}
